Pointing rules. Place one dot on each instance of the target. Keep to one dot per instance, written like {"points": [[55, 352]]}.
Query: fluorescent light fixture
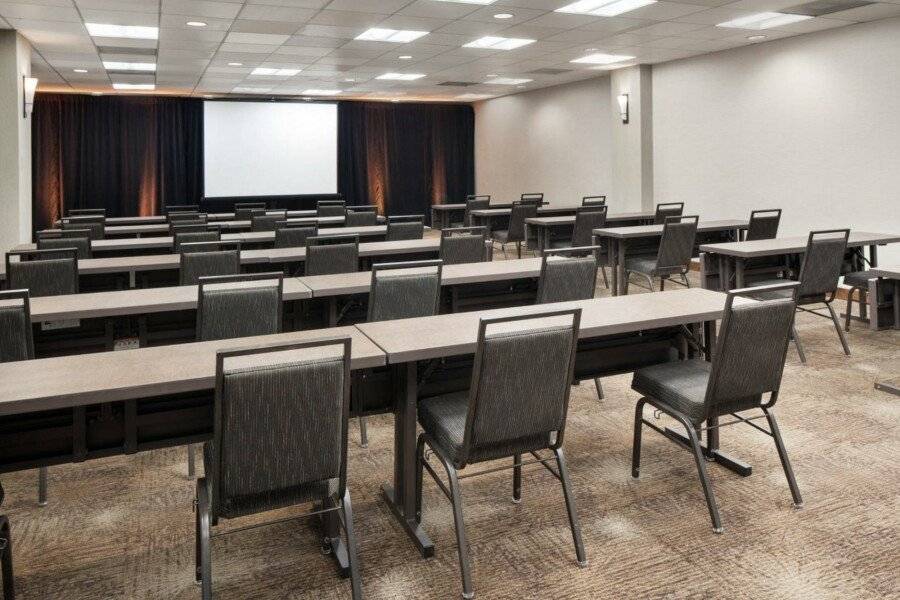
{"points": [[507, 81], [233, 64], [400, 36], [498, 43], [274, 72], [321, 92], [623, 107], [29, 87], [763, 20], [195, 24], [405, 57], [111, 65], [122, 31], [79, 70], [504, 16], [604, 8], [601, 59], [401, 76], [756, 38], [134, 86], [471, 97]]}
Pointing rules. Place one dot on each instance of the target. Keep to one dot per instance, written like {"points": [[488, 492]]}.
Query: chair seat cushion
{"points": [[681, 386], [858, 279], [444, 419], [641, 264]]}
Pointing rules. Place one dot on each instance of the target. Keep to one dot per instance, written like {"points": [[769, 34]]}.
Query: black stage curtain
{"points": [[128, 154], [405, 157]]}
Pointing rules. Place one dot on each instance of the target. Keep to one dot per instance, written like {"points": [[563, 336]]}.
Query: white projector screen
{"points": [[269, 148]]}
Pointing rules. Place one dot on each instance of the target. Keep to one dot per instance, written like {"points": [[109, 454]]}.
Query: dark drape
{"points": [[128, 154], [405, 157]]}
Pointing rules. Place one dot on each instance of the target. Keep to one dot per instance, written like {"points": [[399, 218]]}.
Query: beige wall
{"points": [[15, 142]]}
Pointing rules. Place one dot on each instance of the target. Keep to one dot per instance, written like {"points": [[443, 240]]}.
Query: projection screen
{"points": [[269, 148]]}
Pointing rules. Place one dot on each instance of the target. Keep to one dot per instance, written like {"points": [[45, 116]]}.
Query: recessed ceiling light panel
{"points": [[399, 36], [134, 86], [111, 65], [498, 43], [401, 76], [507, 81], [604, 8], [763, 20], [122, 31], [602, 59]]}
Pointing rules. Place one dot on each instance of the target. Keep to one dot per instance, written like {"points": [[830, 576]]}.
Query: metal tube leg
{"points": [[636, 445], [503, 247], [704, 478], [662, 284], [798, 343], [519, 249], [463, 545], [605, 279], [517, 479], [850, 306], [42, 486], [204, 558], [420, 458], [6, 558], [785, 462], [570, 507], [599, 387], [649, 280], [347, 510], [191, 466], [363, 432], [837, 327]]}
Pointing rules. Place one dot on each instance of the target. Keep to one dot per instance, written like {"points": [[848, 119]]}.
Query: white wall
{"points": [[15, 142], [553, 140], [809, 124]]}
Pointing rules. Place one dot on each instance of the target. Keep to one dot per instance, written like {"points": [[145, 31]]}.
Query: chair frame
{"points": [[402, 220], [180, 208], [568, 251], [340, 503], [186, 215], [533, 197], [453, 491], [693, 433], [663, 277], [88, 220], [474, 202], [660, 217], [279, 216], [39, 253], [764, 212], [220, 246], [519, 204], [451, 231], [81, 234], [593, 201], [332, 238]]}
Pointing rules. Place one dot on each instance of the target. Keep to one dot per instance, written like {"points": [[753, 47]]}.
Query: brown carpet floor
{"points": [[123, 527]]}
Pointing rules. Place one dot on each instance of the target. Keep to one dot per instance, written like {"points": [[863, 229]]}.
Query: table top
{"points": [[570, 219], [344, 284], [499, 212], [132, 302], [67, 381], [889, 272], [641, 231], [453, 334], [791, 245], [223, 216], [429, 244], [225, 224]]}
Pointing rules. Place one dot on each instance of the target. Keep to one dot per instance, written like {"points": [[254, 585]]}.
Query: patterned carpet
{"points": [[123, 527]]}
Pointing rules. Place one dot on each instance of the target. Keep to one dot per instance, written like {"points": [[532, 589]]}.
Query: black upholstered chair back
{"points": [[667, 209], [207, 259], [245, 211], [81, 244], [822, 263], [750, 350], [328, 255], [568, 274], [191, 234], [16, 342], [266, 222], [763, 224], [513, 406], [236, 306], [360, 218], [475, 203], [291, 236], [96, 225], [87, 212], [331, 208], [533, 198], [405, 230], [517, 215], [593, 201], [463, 245], [52, 272], [405, 290], [185, 217], [280, 426], [676, 247], [176, 208], [587, 219], [486, 197]]}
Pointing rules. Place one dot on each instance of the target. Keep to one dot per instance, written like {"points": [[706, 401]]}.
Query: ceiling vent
{"points": [[549, 71], [457, 83], [820, 8]]}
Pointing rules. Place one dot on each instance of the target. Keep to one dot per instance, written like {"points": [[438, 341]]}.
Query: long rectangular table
{"points": [[212, 216], [619, 238], [540, 228], [442, 214], [889, 273]]}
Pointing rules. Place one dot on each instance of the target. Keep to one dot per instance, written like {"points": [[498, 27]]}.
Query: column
{"points": [[15, 142], [632, 141]]}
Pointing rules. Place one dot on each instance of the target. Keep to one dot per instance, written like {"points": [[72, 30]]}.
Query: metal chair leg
{"points": [[704, 478], [605, 279], [636, 444], [352, 553], [852, 291], [687, 282], [798, 343], [519, 249], [42, 486], [503, 247], [570, 507], [363, 432], [837, 327], [785, 462], [204, 557], [649, 280], [517, 479], [662, 284], [420, 458], [462, 543], [627, 282], [6, 559], [191, 467], [599, 387]]}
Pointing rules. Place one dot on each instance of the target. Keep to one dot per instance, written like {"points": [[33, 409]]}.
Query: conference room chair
{"points": [[187, 218], [511, 409], [293, 235], [482, 202], [170, 208], [330, 208], [331, 254], [79, 239], [190, 234], [744, 375], [96, 225], [818, 277], [51, 272], [763, 224], [266, 222], [205, 259], [360, 218], [859, 287], [463, 245], [664, 210], [404, 229], [587, 218], [676, 247], [247, 213], [515, 233], [87, 212], [593, 201], [533, 198], [270, 450], [6, 555], [402, 290], [363, 208]]}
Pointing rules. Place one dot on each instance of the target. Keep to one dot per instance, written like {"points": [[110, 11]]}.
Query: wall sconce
{"points": [[29, 87], [623, 107]]}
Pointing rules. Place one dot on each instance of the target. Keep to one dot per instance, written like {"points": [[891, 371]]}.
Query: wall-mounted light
{"points": [[623, 107], [29, 87]]}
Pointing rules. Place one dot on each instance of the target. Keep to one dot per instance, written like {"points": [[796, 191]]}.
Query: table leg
{"points": [[726, 273], [611, 253], [897, 304], [739, 273], [873, 256], [620, 265], [401, 497]]}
